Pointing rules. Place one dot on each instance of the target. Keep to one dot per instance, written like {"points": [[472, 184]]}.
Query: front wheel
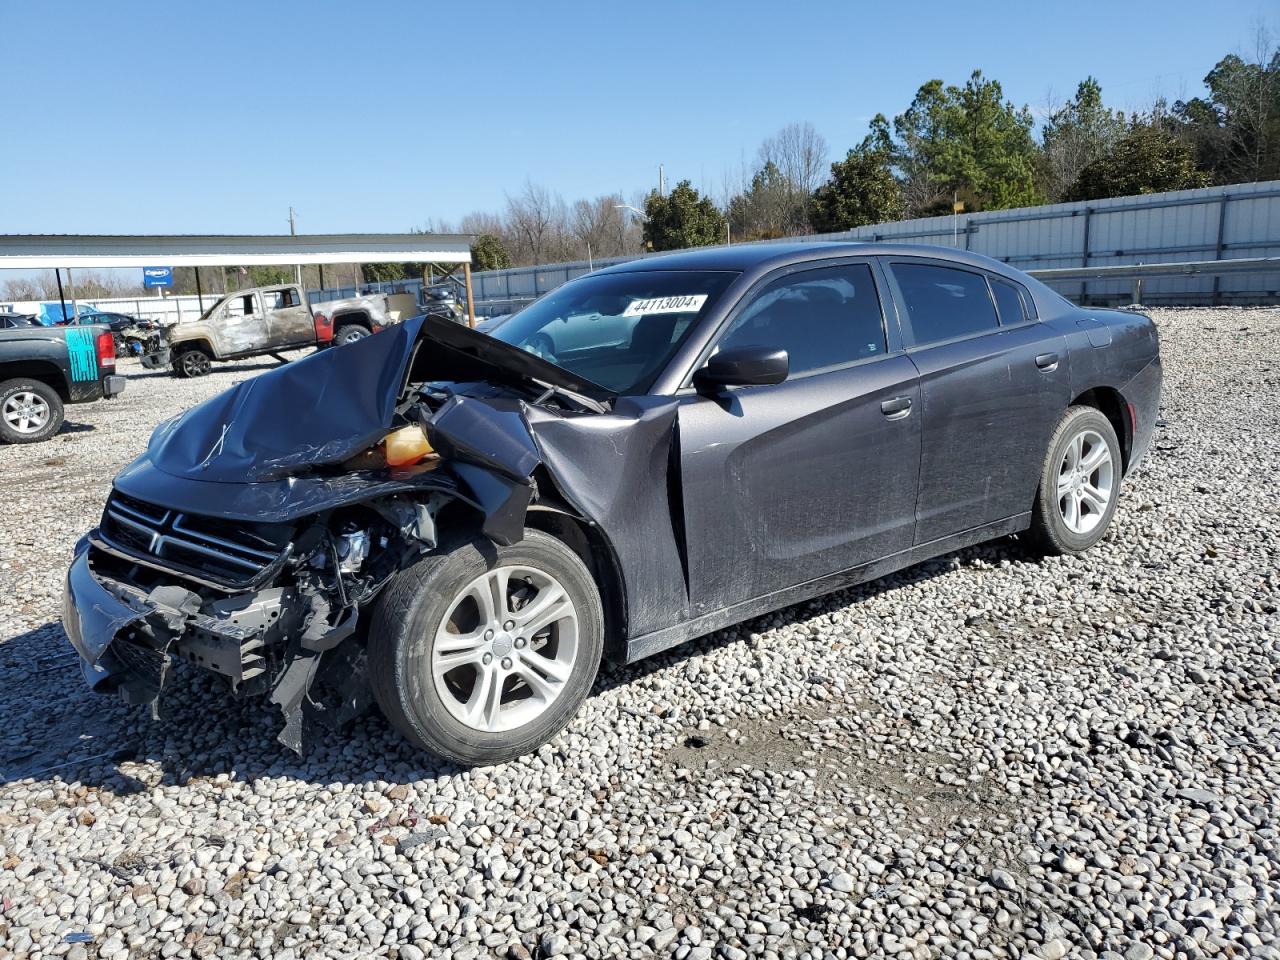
{"points": [[482, 654], [1079, 483], [192, 362]]}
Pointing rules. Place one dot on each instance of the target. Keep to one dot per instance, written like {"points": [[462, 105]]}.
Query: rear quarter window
{"points": [[1009, 302]]}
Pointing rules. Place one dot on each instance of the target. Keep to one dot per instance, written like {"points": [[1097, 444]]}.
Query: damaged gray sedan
{"points": [[461, 526]]}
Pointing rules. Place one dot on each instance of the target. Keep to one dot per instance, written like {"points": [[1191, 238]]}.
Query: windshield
{"points": [[617, 329]]}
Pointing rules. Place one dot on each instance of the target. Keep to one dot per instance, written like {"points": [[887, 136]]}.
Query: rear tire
{"points": [[192, 362], [349, 333], [1079, 484], [30, 411], [430, 617]]}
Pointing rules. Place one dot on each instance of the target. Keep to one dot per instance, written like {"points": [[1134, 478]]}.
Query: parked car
{"points": [[43, 368], [14, 321], [472, 527], [263, 321], [116, 322]]}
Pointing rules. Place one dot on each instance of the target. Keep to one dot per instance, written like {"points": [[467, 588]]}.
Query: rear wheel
{"points": [[482, 655], [30, 411], [350, 333], [1079, 483], [192, 362]]}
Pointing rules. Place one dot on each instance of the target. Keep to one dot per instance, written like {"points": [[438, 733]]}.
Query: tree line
{"points": [[964, 144], [953, 144]]}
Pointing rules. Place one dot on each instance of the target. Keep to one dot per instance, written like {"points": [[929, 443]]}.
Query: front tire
{"points": [[481, 654], [30, 411], [1079, 483], [192, 362]]}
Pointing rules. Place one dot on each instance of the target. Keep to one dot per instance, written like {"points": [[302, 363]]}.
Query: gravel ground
{"points": [[989, 755]]}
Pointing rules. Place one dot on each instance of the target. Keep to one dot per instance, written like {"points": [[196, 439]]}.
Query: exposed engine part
{"points": [[353, 550]]}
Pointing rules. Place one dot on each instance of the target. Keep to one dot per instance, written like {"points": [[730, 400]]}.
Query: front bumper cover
{"points": [[127, 641]]}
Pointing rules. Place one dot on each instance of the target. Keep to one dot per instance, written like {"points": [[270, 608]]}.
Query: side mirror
{"points": [[743, 366]]}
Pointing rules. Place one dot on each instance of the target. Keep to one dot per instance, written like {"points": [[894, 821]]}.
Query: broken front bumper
{"points": [[127, 638], [268, 640]]}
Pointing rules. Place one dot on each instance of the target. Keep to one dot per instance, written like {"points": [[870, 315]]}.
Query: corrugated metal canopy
{"points": [[33, 251]]}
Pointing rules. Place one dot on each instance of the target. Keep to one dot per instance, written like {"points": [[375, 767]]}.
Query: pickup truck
{"points": [[263, 321], [43, 368]]}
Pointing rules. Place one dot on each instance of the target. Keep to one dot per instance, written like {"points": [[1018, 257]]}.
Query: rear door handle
{"points": [[1047, 361], [897, 408]]}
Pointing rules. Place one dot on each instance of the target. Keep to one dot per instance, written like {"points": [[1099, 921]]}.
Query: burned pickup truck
{"points": [[266, 321], [647, 454]]}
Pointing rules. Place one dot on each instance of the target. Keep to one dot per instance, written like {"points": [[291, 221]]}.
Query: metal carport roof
{"points": [[41, 251]]}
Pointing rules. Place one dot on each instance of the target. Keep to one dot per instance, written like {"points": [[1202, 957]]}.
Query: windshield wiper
{"points": [[595, 406]]}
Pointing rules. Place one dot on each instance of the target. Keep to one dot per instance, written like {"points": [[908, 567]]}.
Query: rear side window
{"points": [[822, 318], [1008, 302], [943, 303]]}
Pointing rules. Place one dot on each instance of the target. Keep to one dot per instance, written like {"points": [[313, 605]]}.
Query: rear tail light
{"points": [[105, 345], [324, 328]]}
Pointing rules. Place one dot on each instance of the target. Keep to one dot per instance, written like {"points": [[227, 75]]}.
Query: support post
{"points": [[75, 307], [1217, 248], [199, 292], [62, 297], [471, 304], [1084, 256]]}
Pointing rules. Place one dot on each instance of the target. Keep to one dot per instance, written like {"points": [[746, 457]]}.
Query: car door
{"points": [[240, 326], [788, 482], [289, 320], [993, 385]]}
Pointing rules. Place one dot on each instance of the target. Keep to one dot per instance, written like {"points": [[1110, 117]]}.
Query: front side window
{"points": [[823, 318], [239, 307], [619, 330], [944, 303]]}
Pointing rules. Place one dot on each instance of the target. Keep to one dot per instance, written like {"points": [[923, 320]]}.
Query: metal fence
{"points": [[1235, 222]]}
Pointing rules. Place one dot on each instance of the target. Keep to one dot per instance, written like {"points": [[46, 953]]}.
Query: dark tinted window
{"points": [[1008, 302], [943, 303], [822, 318]]}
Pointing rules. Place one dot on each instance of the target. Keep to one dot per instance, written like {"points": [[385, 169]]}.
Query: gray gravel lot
{"points": [[989, 755]]}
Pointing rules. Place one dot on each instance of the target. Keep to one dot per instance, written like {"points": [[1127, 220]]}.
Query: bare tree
{"points": [[602, 228], [536, 220], [800, 152]]}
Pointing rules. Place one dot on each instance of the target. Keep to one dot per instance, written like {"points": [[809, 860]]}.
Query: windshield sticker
{"points": [[691, 303]]}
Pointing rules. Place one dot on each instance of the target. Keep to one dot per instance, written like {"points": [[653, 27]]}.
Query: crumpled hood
{"points": [[328, 407], [319, 410]]}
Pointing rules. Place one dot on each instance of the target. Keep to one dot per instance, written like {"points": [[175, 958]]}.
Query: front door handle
{"points": [[1047, 361], [896, 408]]}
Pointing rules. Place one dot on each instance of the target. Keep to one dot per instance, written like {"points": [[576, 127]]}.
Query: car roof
{"points": [[756, 257]]}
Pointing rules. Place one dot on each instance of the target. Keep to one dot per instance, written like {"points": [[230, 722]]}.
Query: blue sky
{"points": [[193, 117]]}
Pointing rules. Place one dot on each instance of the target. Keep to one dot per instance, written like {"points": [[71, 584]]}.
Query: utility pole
{"points": [[293, 232], [662, 181]]}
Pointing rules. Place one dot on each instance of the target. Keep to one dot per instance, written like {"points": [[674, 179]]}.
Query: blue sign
{"points": [[157, 277]]}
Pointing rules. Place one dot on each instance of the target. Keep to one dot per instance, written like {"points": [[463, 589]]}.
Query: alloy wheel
{"points": [[1086, 481], [195, 363], [26, 412], [506, 648]]}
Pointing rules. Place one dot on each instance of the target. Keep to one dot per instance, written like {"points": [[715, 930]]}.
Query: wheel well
{"points": [[357, 317], [1112, 405], [186, 345], [46, 373], [593, 550]]}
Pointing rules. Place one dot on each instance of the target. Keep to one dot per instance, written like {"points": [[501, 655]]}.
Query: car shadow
{"points": [[58, 728]]}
